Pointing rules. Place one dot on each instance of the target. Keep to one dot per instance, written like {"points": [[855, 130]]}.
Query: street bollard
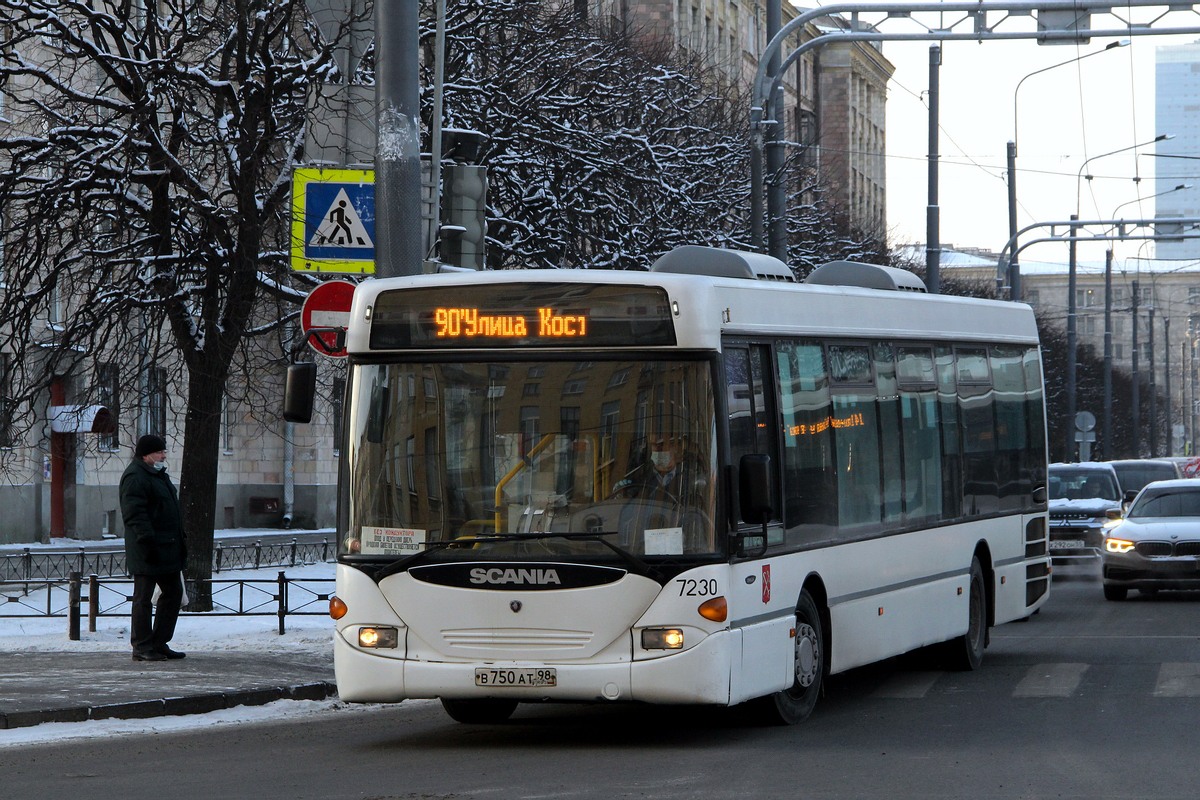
{"points": [[73, 605], [93, 602], [282, 597]]}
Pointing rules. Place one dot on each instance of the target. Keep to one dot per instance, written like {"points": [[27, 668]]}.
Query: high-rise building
{"points": [[1177, 112]]}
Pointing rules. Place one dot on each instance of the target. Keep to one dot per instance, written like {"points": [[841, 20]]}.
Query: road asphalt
{"points": [[74, 687]]}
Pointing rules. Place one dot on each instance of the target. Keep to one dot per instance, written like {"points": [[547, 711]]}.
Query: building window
{"points": [[156, 402], [108, 394]]}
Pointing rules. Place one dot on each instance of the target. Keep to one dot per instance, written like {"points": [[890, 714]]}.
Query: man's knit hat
{"points": [[149, 444]]}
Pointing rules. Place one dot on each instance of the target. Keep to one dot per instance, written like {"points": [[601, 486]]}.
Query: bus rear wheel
{"points": [[793, 705], [479, 712]]}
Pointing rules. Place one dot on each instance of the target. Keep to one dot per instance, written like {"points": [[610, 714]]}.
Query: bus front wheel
{"points": [[793, 705], [479, 712]]}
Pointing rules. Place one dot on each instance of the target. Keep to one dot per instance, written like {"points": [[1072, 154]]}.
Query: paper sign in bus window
{"points": [[664, 541], [392, 541]]}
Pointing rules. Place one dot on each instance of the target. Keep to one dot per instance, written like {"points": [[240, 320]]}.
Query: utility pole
{"points": [[1167, 384], [398, 250], [1071, 343], [933, 244], [1106, 452], [1153, 381], [777, 229], [1137, 391], [1014, 271]]}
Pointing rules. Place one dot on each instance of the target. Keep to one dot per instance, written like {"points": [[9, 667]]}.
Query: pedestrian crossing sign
{"points": [[333, 220]]}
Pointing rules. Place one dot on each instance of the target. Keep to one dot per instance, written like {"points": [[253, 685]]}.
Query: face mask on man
{"points": [[161, 466], [661, 459]]}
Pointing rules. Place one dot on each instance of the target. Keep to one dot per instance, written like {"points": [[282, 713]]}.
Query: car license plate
{"points": [[1066, 544], [518, 677]]}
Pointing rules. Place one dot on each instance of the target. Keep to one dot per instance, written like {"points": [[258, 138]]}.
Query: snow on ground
{"points": [[305, 634], [194, 631], [278, 711]]}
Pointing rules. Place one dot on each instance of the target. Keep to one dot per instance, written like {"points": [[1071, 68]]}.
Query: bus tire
{"points": [[965, 652], [479, 712], [793, 705]]}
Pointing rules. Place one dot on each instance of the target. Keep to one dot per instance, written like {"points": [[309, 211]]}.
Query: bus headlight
{"points": [[378, 637], [1118, 545], [662, 639]]}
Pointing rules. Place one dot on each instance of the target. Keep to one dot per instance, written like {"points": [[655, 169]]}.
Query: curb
{"points": [[170, 706]]}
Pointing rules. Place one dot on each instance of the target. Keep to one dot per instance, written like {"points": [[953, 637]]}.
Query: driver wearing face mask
{"points": [[663, 476]]}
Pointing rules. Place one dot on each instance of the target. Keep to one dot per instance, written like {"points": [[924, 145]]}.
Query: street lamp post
{"points": [[1014, 272]]}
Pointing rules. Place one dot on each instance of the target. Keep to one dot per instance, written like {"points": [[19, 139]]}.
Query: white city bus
{"points": [[856, 469]]}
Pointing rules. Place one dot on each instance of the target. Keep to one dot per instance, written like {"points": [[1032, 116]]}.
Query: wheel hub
{"points": [[808, 655]]}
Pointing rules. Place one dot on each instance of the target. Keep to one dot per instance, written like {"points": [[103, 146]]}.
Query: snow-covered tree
{"points": [[147, 151], [604, 148]]}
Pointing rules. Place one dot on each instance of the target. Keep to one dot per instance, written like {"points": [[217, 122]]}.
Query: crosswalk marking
{"points": [[1051, 680], [1178, 680]]}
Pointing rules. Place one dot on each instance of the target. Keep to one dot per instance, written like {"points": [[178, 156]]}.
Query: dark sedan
{"points": [[1157, 544]]}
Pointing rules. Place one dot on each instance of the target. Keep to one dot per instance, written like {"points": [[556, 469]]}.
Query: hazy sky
{"points": [[1068, 114]]}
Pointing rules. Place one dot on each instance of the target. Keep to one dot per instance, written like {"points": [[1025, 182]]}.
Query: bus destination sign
{"points": [[549, 324], [523, 314]]}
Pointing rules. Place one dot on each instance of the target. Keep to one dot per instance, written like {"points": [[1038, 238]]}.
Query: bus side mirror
{"points": [[299, 391], [754, 488], [1039, 495]]}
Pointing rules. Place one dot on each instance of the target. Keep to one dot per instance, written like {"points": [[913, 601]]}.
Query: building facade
{"points": [[1177, 112]]}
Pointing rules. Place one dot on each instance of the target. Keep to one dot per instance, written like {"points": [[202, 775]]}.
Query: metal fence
{"points": [[57, 565], [94, 597]]}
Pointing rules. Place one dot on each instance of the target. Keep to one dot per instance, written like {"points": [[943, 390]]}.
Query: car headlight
{"points": [[1114, 545]]}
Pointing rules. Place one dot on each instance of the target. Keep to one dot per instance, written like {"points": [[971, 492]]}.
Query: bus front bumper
{"points": [[697, 675]]}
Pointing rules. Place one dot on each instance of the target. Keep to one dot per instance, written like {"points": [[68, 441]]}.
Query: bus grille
{"points": [[517, 639]]}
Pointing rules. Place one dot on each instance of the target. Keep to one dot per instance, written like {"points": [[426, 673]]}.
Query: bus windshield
{"points": [[533, 458]]}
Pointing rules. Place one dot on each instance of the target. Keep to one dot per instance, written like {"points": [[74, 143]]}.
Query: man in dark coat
{"points": [[155, 551]]}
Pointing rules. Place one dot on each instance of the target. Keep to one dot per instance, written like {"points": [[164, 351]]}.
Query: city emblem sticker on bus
{"points": [[333, 220], [766, 583], [392, 541]]}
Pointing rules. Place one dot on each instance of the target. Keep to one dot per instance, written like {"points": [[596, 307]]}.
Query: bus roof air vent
{"points": [[720, 263], [868, 276]]}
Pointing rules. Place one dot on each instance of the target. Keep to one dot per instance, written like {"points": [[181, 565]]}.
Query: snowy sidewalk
{"points": [[231, 661], [79, 686]]}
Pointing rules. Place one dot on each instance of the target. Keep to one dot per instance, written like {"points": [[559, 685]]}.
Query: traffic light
{"points": [[464, 215]]}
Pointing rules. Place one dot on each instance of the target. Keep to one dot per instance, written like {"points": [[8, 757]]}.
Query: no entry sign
{"points": [[326, 309]]}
